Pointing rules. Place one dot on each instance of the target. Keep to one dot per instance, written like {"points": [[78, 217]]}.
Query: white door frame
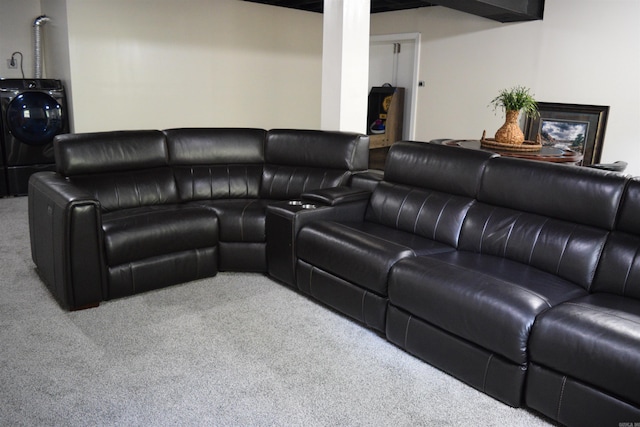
{"points": [[413, 102]]}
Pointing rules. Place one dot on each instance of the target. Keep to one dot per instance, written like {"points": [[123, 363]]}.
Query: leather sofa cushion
{"points": [[139, 233], [241, 220], [441, 168], [628, 221], [297, 161], [489, 301], [579, 195], [215, 146], [218, 181], [619, 267], [130, 189], [561, 248], [100, 152], [121, 169], [594, 339], [360, 252], [317, 149], [217, 162], [427, 213]]}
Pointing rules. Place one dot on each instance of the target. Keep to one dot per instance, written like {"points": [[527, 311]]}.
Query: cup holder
{"points": [[295, 202], [308, 206]]}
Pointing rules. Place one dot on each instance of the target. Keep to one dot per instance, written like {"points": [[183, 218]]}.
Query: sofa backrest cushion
{"points": [[216, 162], [427, 189], [552, 217], [451, 170], [619, 268], [317, 149], [303, 160], [581, 195], [563, 248], [100, 152], [122, 169], [431, 214]]}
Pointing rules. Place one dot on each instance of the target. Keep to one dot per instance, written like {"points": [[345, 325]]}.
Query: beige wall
{"points": [[583, 52], [167, 63]]}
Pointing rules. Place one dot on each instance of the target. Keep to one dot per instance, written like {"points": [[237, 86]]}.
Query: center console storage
{"points": [[285, 219]]}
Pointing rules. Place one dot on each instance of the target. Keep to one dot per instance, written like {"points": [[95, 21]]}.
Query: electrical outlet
{"points": [[11, 65]]}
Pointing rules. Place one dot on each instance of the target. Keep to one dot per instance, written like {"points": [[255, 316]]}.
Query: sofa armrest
{"points": [[66, 240], [367, 180], [336, 195]]}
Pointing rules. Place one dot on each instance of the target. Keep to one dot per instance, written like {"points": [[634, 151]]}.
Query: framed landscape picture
{"points": [[575, 127]]}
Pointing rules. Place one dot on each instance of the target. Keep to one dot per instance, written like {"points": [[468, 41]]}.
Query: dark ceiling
{"points": [[497, 10]]}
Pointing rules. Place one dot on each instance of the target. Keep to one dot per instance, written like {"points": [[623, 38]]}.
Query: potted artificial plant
{"points": [[512, 101]]}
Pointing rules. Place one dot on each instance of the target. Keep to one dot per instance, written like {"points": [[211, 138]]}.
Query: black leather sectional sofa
{"points": [[520, 278]]}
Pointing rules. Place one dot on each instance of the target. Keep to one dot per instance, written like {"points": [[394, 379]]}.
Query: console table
{"points": [[545, 154]]}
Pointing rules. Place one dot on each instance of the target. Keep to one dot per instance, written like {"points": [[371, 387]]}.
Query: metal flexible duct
{"points": [[39, 21]]}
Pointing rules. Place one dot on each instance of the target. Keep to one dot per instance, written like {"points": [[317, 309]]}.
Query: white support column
{"points": [[345, 65]]}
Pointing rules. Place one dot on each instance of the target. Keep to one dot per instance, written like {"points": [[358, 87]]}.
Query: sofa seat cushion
{"points": [[140, 233], [361, 252], [595, 339], [241, 220], [489, 301]]}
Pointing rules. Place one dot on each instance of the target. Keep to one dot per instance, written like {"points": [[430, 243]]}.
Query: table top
{"points": [[545, 154]]}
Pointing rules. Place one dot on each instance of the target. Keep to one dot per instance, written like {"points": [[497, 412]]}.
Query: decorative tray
{"points": [[528, 146]]}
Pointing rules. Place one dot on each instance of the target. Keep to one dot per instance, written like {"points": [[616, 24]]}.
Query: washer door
{"points": [[34, 118]]}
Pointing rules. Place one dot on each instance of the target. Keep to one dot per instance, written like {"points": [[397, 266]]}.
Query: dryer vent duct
{"points": [[37, 44]]}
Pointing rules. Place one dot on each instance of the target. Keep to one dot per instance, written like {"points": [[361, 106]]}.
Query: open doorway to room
{"points": [[394, 60]]}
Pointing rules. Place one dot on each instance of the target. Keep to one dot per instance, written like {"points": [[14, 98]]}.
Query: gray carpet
{"points": [[233, 350]]}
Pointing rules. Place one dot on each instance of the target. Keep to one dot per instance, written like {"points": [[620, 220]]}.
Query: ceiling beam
{"points": [[497, 10]]}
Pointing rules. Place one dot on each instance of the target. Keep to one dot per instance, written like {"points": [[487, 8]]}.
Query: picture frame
{"points": [[575, 127]]}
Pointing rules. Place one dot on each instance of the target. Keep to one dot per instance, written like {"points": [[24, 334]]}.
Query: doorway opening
{"points": [[395, 59]]}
